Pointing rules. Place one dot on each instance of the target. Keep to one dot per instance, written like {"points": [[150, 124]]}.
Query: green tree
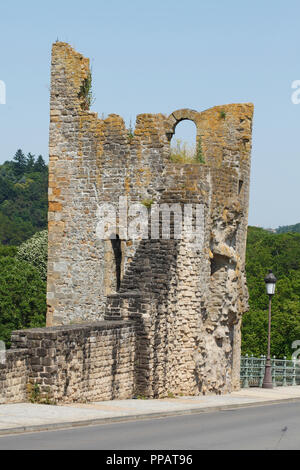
{"points": [[281, 253], [35, 252], [289, 228], [23, 198], [30, 162], [20, 162], [22, 297], [40, 165]]}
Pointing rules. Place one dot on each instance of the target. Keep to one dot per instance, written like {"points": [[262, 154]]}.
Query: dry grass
{"points": [[182, 152]]}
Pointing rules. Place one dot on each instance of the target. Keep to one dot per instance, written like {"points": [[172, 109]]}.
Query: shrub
{"points": [[182, 152], [35, 252], [22, 297]]}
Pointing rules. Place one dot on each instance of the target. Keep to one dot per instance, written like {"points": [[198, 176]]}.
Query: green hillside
{"points": [[289, 228], [23, 198]]}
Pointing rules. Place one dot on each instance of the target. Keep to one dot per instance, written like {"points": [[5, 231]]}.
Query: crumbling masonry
{"points": [[146, 317]]}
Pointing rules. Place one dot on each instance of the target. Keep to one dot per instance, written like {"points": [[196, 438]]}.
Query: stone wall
{"points": [[70, 364], [148, 316], [186, 303], [14, 376]]}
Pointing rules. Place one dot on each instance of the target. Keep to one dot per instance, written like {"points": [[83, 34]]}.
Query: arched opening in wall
{"points": [[183, 146], [117, 250]]}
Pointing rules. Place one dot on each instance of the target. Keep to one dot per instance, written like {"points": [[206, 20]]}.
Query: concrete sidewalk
{"points": [[28, 417]]}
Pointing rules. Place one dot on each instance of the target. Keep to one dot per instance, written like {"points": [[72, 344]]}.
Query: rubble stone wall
{"points": [[75, 363], [14, 376], [186, 303]]}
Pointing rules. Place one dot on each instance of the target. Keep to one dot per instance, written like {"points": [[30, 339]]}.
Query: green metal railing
{"points": [[284, 372]]}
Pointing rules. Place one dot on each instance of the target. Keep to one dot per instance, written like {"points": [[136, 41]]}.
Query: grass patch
{"points": [[182, 152]]}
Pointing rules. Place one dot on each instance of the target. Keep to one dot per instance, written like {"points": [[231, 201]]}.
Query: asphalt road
{"points": [[263, 427]]}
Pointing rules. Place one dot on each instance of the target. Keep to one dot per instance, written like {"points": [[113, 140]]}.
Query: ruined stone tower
{"points": [[185, 303]]}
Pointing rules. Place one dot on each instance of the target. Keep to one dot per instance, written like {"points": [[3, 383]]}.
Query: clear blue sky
{"points": [[161, 55]]}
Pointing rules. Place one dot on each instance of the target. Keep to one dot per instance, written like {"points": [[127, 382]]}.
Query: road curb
{"points": [[138, 417]]}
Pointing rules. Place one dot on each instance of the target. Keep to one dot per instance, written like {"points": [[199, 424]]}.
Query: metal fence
{"points": [[284, 372]]}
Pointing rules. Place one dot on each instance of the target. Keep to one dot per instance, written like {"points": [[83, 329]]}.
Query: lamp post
{"points": [[270, 281]]}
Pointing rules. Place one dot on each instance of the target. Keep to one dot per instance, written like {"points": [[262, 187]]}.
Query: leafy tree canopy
{"points": [[23, 198], [22, 297], [281, 253], [289, 228], [35, 252]]}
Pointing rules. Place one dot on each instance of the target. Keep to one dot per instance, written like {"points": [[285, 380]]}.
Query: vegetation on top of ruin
{"points": [[86, 94], [130, 133], [199, 152], [182, 152]]}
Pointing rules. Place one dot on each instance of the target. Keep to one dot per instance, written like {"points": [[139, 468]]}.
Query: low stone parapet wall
{"points": [[14, 376], [70, 363]]}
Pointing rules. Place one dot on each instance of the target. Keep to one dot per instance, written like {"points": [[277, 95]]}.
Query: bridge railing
{"points": [[284, 371]]}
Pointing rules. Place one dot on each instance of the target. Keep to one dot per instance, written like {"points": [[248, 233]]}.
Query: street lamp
{"points": [[270, 281]]}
